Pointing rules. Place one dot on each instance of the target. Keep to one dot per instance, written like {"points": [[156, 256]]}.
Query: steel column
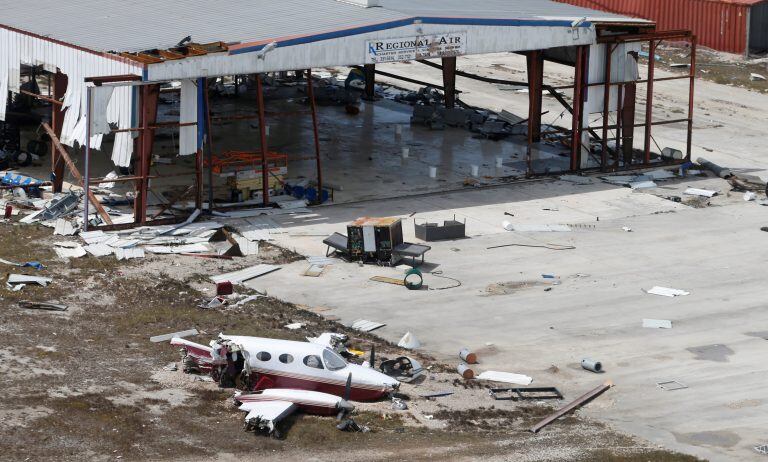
{"points": [[87, 166], [149, 98], [209, 142], [578, 106], [369, 70], [311, 94], [628, 122], [449, 81], [649, 101], [535, 65], [263, 134], [59, 84]]}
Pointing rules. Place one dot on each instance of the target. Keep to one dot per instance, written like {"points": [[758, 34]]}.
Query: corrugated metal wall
{"points": [[758, 28], [718, 25]]}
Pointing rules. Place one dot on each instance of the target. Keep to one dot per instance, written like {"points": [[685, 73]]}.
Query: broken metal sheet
{"points": [[25, 279], [657, 323], [246, 246], [577, 179], [190, 248], [623, 180], [365, 325], [314, 270], [99, 250], [321, 261], [505, 377], [260, 223], [167, 337], [70, 252], [64, 227], [186, 222], [94, 237], [529, 228], [660, 175], [121, 243], [42, 306], [762, 449], [700, 192], [292, 204], [295, 325], [666, 291], [671, 385], [248, 299], [642, 184], [129, 253], [257, 235], [245, 274], [32, 217], [409, 342], [264, 415]]}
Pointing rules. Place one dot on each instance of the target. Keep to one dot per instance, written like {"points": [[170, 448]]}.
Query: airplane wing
{"points": [[267, 414]]}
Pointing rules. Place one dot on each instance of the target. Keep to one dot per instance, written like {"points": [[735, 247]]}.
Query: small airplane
{"points": [[283, 376]]}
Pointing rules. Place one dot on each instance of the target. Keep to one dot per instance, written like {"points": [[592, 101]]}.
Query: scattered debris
{"points": [[64, 227], [671, 385], [398, 404], [224, 288], [438, 394], [762, 449], [295, 325], [313, 270], [522, 394], [657, 323], [626, 228], [237, 277], [749, 196], [42, 306], [505, 377], [575, 404], [666, 292], [30, 264], [128, 253], [592, 365], [64, 250], [215, 302], [643, 185], [403, 368], [14, 279], [365, 325], [409, 342], [700, 192], [167, 337], [171, 367], [755, 77], [529, 228]]}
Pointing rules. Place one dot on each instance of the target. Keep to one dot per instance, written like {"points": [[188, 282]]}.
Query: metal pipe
{"points": [[649, 101], [689, 137], [606, 105], [592, 365], [87, 167], [311, 94], [263, 132]]}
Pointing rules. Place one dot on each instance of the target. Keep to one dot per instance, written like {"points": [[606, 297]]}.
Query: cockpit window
{"points": [[313, 361], [333, 361]]}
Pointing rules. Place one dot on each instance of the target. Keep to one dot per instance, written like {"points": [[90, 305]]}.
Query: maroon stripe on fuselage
{"points": [[357, 394]]}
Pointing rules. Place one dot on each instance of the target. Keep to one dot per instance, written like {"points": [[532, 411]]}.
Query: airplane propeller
{"points": [[372, 362], [345, 407]]}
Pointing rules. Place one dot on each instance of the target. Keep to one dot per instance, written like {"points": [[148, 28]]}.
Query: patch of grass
{"points": [[606, 455]]}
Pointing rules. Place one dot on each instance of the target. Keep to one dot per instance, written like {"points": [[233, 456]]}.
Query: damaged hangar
{"points": [[107, 62]]}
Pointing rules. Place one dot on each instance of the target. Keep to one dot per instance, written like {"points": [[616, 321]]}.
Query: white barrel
{"points": [[468, 356], [406, 151], [475, 170], [499, 162], [432, 172], [465, 371]]}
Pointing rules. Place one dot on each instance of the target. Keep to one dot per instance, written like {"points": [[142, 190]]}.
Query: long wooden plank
{"points": [[577, 403], [75, 172]]}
